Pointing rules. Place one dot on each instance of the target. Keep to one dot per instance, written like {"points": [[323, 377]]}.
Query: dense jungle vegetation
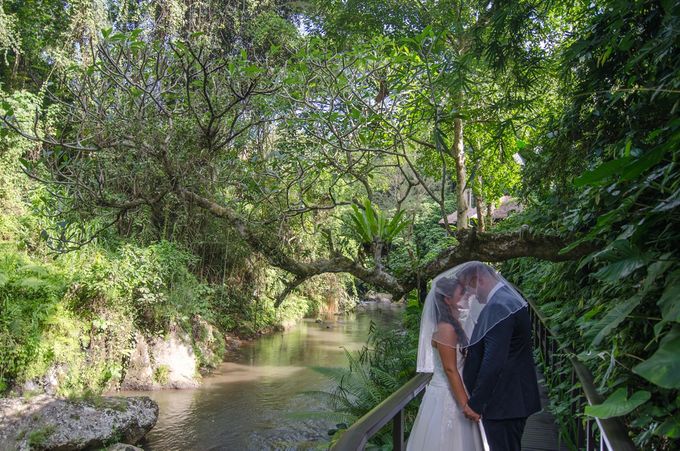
{"points": [[253, 162]]}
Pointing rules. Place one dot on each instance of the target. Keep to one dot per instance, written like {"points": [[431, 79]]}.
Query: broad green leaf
{"points": [[4, 278], [669, 203], [670, 299], [663, 367], [370, 218], [602, 172], [360, 224], [657, 269], [639, 165], [575, 244], [670, 428], [134, 34], [604, 223], [619, 270], [614, 317], [27, 165], [618, 404], [137, 45], [624, 257]]}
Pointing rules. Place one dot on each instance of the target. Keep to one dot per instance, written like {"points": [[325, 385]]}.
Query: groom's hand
{"points": [[471, 414]]}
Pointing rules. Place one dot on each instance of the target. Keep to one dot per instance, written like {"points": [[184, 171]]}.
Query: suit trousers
{"points": [[504, 435]]}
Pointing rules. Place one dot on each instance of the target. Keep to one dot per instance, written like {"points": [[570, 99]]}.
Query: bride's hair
{"points": [[445, 288]]}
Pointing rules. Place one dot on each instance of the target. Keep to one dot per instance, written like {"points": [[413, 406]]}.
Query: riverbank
{"points": [[46, 422], [258, 399], [130, 318]]}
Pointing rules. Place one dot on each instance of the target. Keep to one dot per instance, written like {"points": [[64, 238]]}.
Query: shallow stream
{"points": [[252, 402]]}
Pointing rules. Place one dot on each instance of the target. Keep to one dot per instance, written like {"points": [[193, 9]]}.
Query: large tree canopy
{"points": [[333, 136], [264, 145]]}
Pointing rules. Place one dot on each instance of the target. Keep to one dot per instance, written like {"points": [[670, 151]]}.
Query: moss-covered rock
{"points": [[46, 422]]}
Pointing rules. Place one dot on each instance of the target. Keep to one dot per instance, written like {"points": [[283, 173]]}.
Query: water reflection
{"points": [[247, 404]]}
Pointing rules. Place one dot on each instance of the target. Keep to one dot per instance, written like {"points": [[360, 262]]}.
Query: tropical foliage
{"points": [[250, 161]]}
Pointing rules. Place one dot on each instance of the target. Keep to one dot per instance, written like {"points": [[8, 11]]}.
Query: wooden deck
{"points": [[541, 432]]}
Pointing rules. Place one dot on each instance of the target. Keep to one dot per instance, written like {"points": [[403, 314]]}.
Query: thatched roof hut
{"points": [[507, 206]]}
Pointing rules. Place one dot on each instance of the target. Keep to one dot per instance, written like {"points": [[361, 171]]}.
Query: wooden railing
{"points": [[611, 434]]}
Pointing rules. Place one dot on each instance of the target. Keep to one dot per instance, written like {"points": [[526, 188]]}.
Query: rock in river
{"points": [[45, 422]]}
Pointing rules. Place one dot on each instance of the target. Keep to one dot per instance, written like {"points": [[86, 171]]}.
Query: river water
{"points": [[253, 402]]}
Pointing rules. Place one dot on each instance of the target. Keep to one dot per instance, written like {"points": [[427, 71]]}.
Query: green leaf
{"points": [[4, 278], [137, 45], [439, 139], [32, 283], [360, 225], [625, 259], [614, 317], [27, 165], [670, 428], [639, 165], [616, 271], [663, 367], [618, 405], [135, 91], [370, 218], [134, 34], [657, 269], [669, 203], [34, 269], [670, 299], [575, 244], [252, 70], [602, 172]]}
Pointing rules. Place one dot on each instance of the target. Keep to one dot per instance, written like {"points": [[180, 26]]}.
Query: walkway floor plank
{"points": [[541, 432]]}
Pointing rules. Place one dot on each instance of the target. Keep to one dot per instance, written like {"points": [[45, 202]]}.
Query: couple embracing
{"points": [[475, 337]]}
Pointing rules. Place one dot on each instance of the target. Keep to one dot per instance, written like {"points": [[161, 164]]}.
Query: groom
{"points": [[499, 370]]}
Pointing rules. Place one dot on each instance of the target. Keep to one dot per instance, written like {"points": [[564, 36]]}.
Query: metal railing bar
{"points": [[398, 431], [612, 430]]}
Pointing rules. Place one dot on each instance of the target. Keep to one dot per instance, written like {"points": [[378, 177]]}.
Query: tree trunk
{"points": [[481, 220], [422, 290], [459, 157]]}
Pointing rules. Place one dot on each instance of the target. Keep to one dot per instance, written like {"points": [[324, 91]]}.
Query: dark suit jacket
{"points": [[499, 370]]}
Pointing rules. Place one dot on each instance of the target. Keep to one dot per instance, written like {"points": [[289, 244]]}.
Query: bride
{"points": [[446, 325]]}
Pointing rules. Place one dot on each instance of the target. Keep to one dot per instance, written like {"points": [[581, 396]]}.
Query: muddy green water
{"points": [[251, 402]]}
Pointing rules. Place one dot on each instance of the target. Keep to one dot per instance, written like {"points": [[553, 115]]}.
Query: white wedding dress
{"points": [[440, 424]]}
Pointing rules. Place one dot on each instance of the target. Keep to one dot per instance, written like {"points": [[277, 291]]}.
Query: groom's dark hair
{"points": [[475, 269]]}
